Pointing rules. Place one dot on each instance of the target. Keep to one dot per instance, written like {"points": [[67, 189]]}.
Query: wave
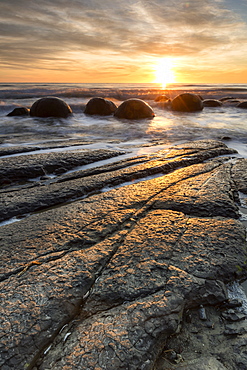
{"points": [[116, 91]]}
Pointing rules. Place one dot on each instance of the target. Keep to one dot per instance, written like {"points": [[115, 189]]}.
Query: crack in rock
{"points": [[145, 252]]}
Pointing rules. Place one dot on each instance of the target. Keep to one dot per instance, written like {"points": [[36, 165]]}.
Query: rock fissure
{"points": [[57, 195], [120, 268]]}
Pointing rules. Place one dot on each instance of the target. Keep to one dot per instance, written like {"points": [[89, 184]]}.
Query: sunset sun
{"points": [[164, 72]]}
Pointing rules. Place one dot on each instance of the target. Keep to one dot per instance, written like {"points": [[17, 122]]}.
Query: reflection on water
{"points": [[166, 126]]}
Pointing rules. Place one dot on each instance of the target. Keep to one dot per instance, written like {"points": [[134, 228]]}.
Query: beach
{"points": [[123, 242]]}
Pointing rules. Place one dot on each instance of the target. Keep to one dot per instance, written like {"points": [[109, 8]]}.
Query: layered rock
{"points": [[104, 282]]}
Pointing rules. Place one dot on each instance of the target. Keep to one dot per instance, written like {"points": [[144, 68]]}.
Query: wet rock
{"points": [[233, 315], [235, 329], [134, 109], [226, 138], [226, 98], [187, 102], [121, 268], [20, 111], [239, 174], [202, 313], [100, 106], [212, 103], [242, 105], [161, 98], [26, 167], [232, 303], [231, 102], [50, 107], [203, 363]]}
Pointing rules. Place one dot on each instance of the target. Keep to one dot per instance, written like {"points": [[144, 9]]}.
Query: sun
{"points": [[164, 72]]}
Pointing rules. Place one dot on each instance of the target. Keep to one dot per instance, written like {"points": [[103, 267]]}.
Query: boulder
{"points": [[212, 103], [134, 109], [50, 107], [187, 102], [161, 98], [225, 98], [19, 111], [243, 105], [100, 106]]}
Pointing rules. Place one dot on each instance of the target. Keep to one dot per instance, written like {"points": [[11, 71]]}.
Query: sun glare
{"points": [[164, 72]]}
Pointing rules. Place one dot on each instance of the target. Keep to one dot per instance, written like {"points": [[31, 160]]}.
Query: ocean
{"points": [[227, 122]]}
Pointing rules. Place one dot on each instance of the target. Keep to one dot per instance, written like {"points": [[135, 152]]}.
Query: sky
{"points": [[100, 41]]}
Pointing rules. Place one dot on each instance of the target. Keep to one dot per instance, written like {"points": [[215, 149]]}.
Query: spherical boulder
{"points": [[161, 98], [242, 105], [226, 98], [212, 103], [100, 107], [19, 111], [134, 109], [50, 107], [187, 102]]}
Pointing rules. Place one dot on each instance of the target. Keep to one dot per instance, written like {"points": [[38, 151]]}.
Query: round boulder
{"points": [[20, 111], [187, 102], [242, 105], [226, 98], [134, 109], [161, 98], [50, 107], [100, 107], [212, 103]]}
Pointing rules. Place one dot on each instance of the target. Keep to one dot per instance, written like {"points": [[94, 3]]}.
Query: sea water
{"points": [[164, 129]]}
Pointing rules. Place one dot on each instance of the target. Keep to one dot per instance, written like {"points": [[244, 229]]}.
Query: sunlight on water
{"points": [[167, 127]]}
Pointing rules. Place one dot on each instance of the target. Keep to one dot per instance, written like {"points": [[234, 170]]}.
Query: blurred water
{"points": [[167, 127]]}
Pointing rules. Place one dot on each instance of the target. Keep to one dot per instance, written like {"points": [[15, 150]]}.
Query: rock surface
{"points": [[242, 105], [212, 103], [187, 102], [134, 109], [114, 276], [100, 106], [50, 107], [19, 111]]}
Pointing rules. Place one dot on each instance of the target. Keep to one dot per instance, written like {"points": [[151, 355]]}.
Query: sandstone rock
{"points": [[111, 275], [134, 109], [50, 107], [242, 105], [80, 183], [100, 106], [212, 103], [23, 168], [187, 102], [20, 111]]}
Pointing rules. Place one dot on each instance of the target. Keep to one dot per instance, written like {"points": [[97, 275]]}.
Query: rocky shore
{"points": [[125, 265]]}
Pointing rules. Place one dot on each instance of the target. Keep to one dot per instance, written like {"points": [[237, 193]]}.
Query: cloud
{"points": [[77, 33]]}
